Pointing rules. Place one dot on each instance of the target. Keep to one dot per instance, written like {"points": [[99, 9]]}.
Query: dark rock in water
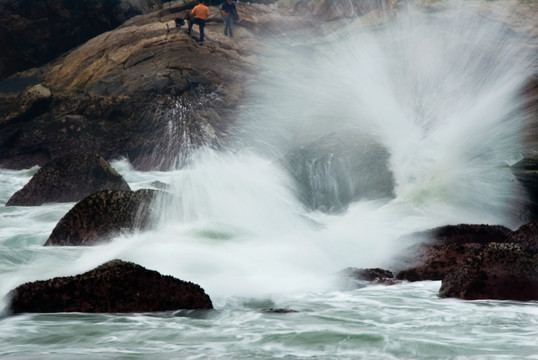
{"points": [[279, 311], [445, 248], [434, 262], [103, 215], [337, 169], [114, 287], [379, 276], [69, 178], [35, 32], [498, 271]]}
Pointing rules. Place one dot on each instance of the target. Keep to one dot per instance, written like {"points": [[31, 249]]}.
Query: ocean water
{"points": [[437, 92]]}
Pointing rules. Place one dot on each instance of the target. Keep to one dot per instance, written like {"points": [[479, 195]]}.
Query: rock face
{"points": [[478, 261], [114, 287], [35, 32], [498, 271], [103, 215], [445, 249], [69, 178], [145, 90]]}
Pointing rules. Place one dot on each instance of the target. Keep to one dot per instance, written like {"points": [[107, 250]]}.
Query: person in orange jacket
{"points": [[198, 15]]}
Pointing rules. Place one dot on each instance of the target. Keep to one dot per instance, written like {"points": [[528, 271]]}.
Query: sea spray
{"points": [[439, 92], [440, 97]]}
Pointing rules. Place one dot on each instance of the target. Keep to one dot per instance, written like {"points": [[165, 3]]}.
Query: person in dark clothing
{"points": [[198, 15], [228, 11]]}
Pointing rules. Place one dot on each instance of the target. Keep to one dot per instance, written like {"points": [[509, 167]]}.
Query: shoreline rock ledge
{"points": [[114, 287]]}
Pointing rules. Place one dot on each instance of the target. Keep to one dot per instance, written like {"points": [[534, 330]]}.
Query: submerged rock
{"points": [[69, 178], [375, 275], [114, 287], [102, 216], [498, 271]]}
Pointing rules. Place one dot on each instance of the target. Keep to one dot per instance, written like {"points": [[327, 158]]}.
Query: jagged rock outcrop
{"points": [[114, 287], [69, 178], [34, 32], [103, 215], [444, 249], [497, 271]]}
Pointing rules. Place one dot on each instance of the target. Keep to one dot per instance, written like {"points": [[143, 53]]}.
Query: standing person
{"points": [[228, 11], [198, 15]]}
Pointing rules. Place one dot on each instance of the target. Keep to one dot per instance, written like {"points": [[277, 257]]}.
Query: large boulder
{"points": [[441, 250], [498, 271], [102, 216], [114, 287], [69, 178], [339, 168], [34, 32]]}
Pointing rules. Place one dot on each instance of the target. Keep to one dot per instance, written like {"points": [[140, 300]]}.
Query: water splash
{"points": [[439, 91], [183, 124], [438, 97]]}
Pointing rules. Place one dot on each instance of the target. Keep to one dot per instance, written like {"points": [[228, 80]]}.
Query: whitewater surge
{"points": [[432, 99]]}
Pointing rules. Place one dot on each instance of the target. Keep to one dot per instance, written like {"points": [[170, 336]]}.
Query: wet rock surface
{"points": [[498, 271], [114, 287], [69, 178], [102, 216], [477, 261], [443, 249]]}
